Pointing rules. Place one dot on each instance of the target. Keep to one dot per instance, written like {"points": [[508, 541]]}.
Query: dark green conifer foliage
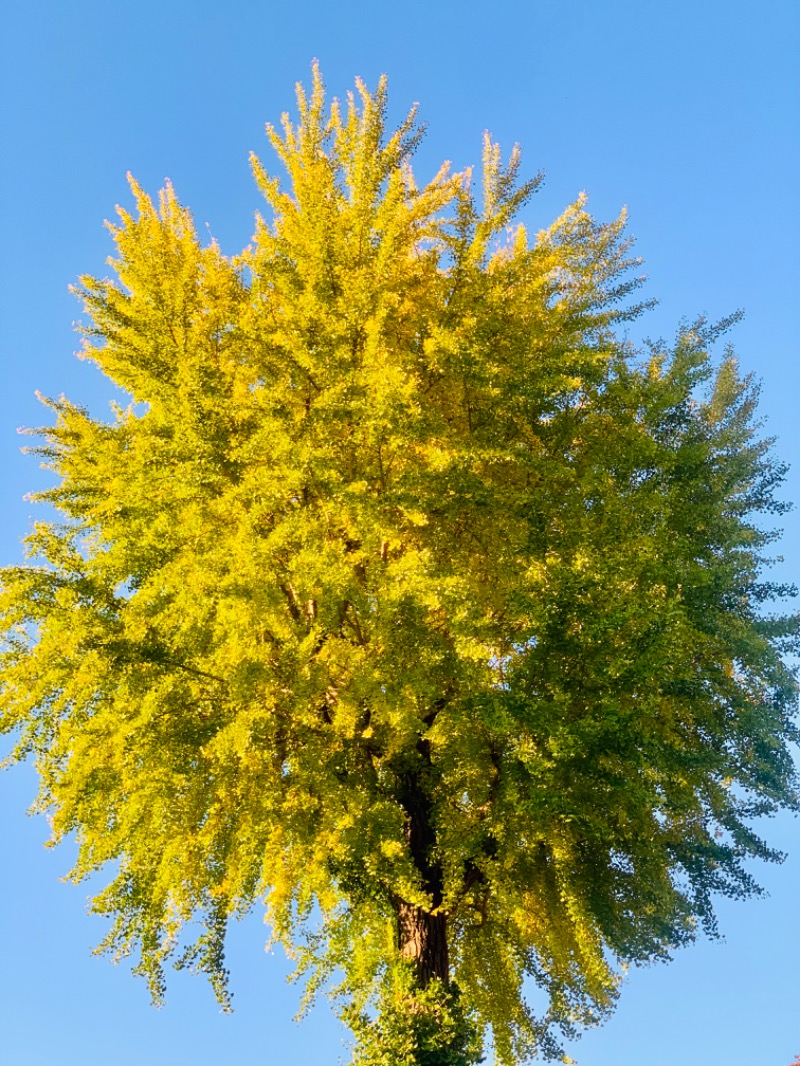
{"points": [[406, 598]]}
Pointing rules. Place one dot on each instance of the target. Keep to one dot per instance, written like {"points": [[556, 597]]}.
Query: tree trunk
{"points": [[422, 933], [423, 941]]}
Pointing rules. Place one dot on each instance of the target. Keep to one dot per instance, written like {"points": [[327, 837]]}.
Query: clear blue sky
{"points": [[688, 112]]}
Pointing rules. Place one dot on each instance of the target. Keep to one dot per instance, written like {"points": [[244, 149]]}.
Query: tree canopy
{"points": [[407, 597]]}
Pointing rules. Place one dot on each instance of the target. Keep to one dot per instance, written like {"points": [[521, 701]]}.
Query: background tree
{"points": [[405, 596]]}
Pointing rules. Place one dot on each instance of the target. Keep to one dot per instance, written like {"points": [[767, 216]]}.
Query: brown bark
{"points": [[423, 941], [422, 932]]}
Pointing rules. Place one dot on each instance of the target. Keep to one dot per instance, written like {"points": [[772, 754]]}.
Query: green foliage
{"points": [[396, 521], [416, 1027]]}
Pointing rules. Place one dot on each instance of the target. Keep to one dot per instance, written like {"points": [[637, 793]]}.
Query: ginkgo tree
{"points": [[406, 598]]}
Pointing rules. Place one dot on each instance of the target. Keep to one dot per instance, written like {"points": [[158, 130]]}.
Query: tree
{"points": [[406, 596]]}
